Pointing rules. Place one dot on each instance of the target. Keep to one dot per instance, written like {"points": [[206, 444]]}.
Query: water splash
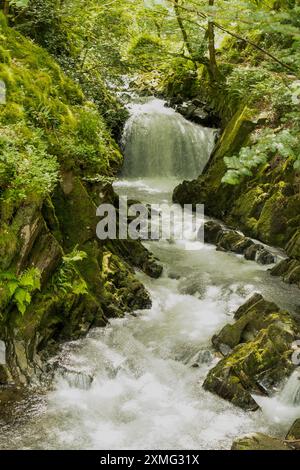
{"points": [[291, 392], [160, 142], [284, 407]]}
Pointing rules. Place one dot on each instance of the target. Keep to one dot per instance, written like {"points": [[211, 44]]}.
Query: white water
{"points": [[174, 146], [145, 394], [283, 408]]}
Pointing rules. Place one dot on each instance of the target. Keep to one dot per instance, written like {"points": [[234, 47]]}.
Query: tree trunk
{"points": [[5, 6], [214, 72], [183, 31]]}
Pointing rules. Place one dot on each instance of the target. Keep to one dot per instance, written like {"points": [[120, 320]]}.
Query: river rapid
{"points": [[137, 384]]}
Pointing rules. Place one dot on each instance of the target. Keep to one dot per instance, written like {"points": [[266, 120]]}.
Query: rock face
{"points": [[289, 269], [265, 206], [57, 279], [197, 111], [294, 432], [257, 351], [62, 310], [231, 240]]}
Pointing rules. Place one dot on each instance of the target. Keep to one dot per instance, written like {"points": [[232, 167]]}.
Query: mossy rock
{"points": [[293, 246], [289, 270], [294, 432], [259, 441], [258, 348]]}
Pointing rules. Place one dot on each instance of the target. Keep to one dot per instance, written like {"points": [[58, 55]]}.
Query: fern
{"points": [[284, 144], [67, 278], [19, 288]]}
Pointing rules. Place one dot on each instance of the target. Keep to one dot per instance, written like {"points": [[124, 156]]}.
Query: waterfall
{"points": [[291, 391], [158, 141], [76, 379]]}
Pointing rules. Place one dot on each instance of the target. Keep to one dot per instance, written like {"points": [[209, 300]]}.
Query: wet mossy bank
{"points": [[57, 279], [264, 200]]}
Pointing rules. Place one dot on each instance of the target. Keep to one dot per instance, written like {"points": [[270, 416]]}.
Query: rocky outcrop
{"points": [[232, 240], [259, 441], [256, 352], [196, 110], [74, 296], [265, 206], [289, 269], [57, 279]]}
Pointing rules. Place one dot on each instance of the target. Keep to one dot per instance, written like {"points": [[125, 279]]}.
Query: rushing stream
{"points": [[137, 383]]}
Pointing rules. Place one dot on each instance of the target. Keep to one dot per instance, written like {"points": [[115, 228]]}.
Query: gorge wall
{"points": [[57, 159]]}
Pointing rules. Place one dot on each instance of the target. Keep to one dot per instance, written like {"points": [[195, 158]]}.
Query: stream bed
{"points": [[138, 382]]}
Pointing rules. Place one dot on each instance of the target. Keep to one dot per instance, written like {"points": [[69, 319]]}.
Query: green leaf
{"points": [[12, 287], [297, 165]]}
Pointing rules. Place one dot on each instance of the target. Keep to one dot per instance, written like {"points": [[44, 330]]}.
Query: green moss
{"points": [[260, 343], [272, 223]]}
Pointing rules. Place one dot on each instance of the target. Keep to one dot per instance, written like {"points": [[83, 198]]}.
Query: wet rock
{"points": [[173, 275], [294, 432], [265, 257], [251, 252], [212, 231], [259, 441], [293, 246], [202, 357], [76, 379], [5, 375], [241, 246], [228, 240], [289, 270], [232, 240], [257, 349], [197, 111]]}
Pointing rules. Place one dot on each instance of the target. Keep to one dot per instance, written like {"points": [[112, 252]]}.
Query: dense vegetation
{"points": [[63, 66]]}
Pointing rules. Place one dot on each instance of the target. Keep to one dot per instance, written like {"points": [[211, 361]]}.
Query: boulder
{"points": [[212, 231], [265, 257], [228, 240], [294, 432], [251, 252], [259, 441], [257, 351], [289, 270]]}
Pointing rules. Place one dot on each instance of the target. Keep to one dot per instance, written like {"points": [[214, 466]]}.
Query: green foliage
{"points": [[18, 289], [67, 278], [46, 124], [144, 50], [283, 144], [20, 3], [25, 166]]}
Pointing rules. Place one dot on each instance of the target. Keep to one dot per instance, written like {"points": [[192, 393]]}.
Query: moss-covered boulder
{"points": [[232, 240], [257, 351], [259, 441], [289, 270], [294, 432]]}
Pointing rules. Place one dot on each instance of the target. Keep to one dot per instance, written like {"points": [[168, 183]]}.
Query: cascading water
{"points": [[283, 407], [137, 384], [160, 142], [291, 392]]}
